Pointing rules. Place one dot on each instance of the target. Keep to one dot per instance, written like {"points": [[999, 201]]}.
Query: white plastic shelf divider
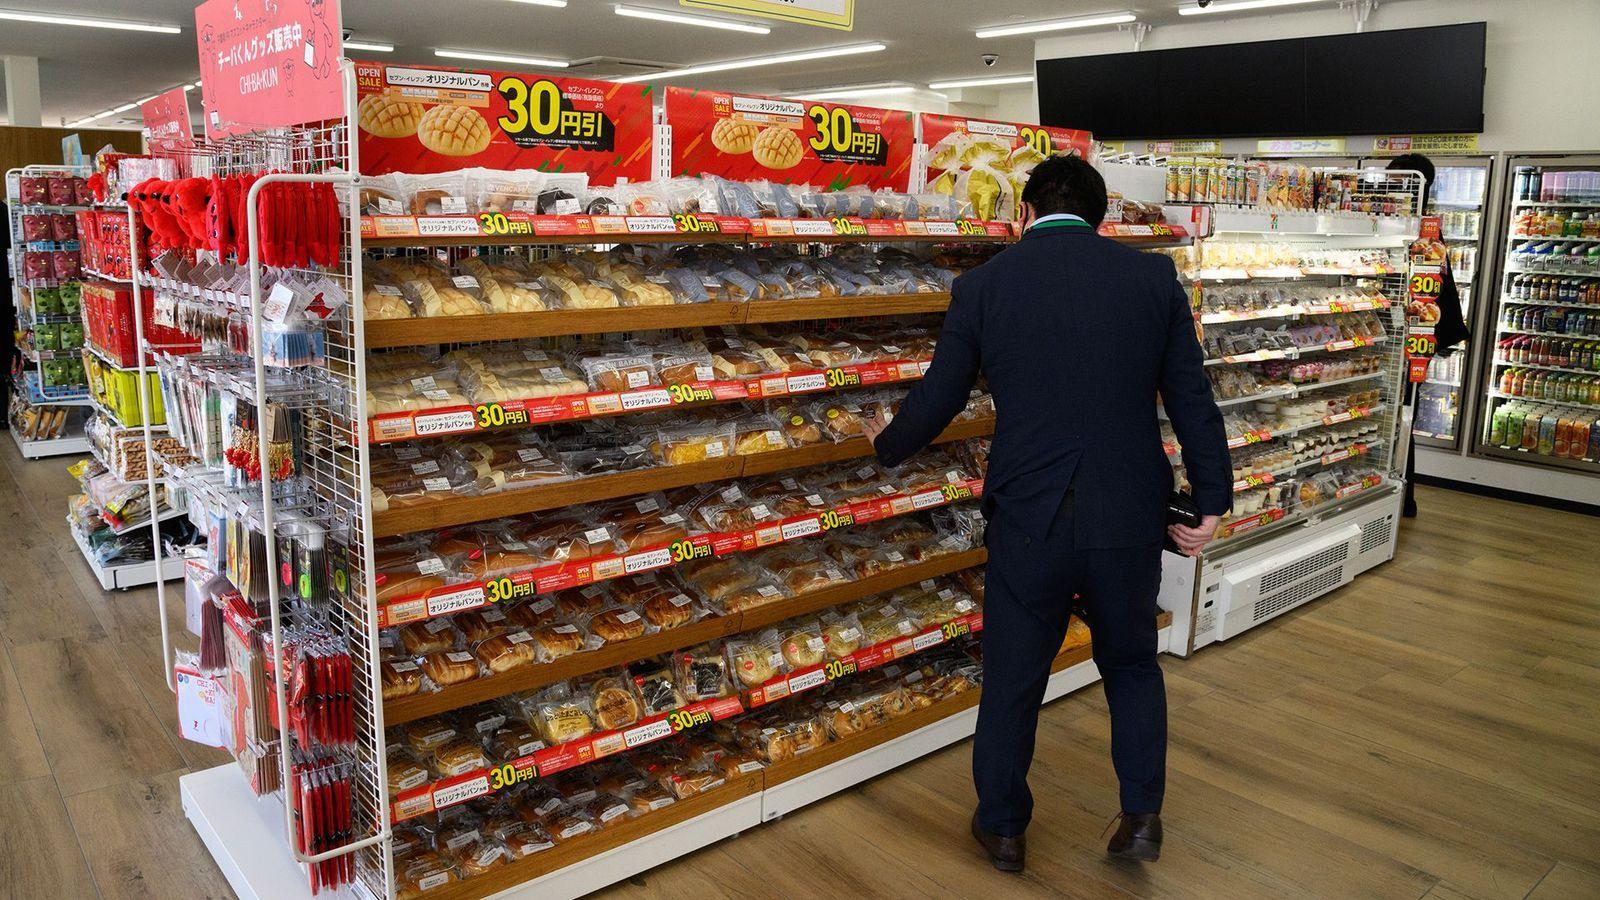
{"points": [[71, 445]]}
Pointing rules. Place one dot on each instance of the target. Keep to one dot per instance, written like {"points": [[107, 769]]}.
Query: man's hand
{"points": [[874, 425], [1192, 540]]}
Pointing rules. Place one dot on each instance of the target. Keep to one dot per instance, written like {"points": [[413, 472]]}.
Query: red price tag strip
{"points": [[862, 660], [1266, 517], [452, 420], [1339, 455], [1156, 232], [1248, 438], [531, 227], [562, 576], [1356, 487], [1355, 412], [1252, 481]]}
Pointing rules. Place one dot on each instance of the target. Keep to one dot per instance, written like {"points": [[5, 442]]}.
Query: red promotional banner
{"points": [[268, 63], [745, 137], [422, 119], [986, 163], [166, 121]]}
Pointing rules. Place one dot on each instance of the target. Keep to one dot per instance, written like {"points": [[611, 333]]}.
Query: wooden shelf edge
{"points": [[562, 855], [387, 333], [464, 510], [417, 706]]}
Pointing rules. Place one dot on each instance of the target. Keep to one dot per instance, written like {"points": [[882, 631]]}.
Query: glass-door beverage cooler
{"points": [[1542, 383]]}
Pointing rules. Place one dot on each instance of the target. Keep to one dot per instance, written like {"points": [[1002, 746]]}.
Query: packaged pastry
{"points": [[617, 622], [702, 673], [566, 825], [841, 634], [505, 192], [670, 608], [426, 735], [585, 295], [616, 706], [884, 622], [799, 424], [758, 434], [405, 772], [563, 716], [478, 625], [568, 541], [620, 776], [418, 873], [656, 688], [649, 798], [401, 678], [555, 641], [786, 738], [683, 444], [802, 645], [503, 295], [800, 569], [505, 652], [513, 740], [580, 603], [715, 579], [459, 757], [436, 195], [450, 667], [532, 614], [385, 301], [736, 763], [617, 371], [522, 839], [840, 420], [756, 659], [688, 778], [682, 364]]}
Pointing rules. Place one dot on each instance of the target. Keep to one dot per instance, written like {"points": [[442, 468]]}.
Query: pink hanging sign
{"points": [[268, 63], [166, 121]]}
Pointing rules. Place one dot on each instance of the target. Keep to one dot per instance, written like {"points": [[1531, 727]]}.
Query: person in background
{"points": [[1450, 331], [1076, 336]]}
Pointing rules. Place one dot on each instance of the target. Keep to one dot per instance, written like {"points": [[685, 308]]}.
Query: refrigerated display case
{"points": [[1461, 187], [1541, 400], [1303, 319]]}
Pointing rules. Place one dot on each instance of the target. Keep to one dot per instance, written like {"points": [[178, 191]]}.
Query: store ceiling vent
{"points": [[1288, 599]]}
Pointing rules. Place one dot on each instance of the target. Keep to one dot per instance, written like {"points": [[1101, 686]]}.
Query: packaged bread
{"points": [[508, 651], [655, 686], [756, 659], [617, 622], [580, 603], [686, 443], [563, 716], [505, 295], [781, 739], [459, 757], [385, 301], [701, 673], [450, 667], [802, 644], [513, 740], [436, 195], [840, 420], [406, 773], [505, 192], [428, 734], [758, 434], [569, 824], [562, 540], [477, 857], [532, 614], [524, 839], [585, 295], [418, 873], [649, 798], [401, 678], [842, 634], [884, 622], [557, 640], [615, 704], [682, 364], [617, 371], [800, 569], [431, 636]]}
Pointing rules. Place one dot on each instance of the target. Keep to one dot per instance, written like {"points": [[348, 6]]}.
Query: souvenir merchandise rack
{"points": [[372, 599], [1304, 318], [46, 409]]}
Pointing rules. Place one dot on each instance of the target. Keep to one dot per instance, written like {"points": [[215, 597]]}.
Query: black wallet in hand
{"points": [[1181, 510]]}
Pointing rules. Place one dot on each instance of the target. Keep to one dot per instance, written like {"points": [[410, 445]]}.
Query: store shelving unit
{"points": [[1541, 403], [29, 395], [1324, 506], [247, 836]]}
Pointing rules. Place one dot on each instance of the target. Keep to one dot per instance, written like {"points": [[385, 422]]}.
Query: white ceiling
{"points": [[85, 71]]}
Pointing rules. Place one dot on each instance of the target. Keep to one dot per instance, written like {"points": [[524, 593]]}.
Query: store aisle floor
{"points": [[1432, 730]]}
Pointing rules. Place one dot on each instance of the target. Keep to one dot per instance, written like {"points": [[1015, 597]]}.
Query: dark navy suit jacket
{"points": [[1076, 335]]}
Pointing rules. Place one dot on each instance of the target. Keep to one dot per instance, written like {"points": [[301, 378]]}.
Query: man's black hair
{"points": [[1066, 184], [1415, 162]]}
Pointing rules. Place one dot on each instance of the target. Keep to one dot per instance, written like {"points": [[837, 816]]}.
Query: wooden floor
{"points": [[1431, 731]]}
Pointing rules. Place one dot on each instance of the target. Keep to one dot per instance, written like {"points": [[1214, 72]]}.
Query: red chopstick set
{"points": [[320, 791], [299, 224], [321, 686]]}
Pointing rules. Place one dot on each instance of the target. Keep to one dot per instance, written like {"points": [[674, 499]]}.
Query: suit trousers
{"points": [[1028, 595]]}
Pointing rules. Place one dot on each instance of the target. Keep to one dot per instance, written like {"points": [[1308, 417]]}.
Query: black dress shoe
{"points": [[1006, 853], [1138, 837]]}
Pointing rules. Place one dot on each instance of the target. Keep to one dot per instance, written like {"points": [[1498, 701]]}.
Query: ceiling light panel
{"points": [[42, 18], [677, 18], [533, 61], [995, 81], [1225, 6], [369, 46], [558, 4], [1094, 21], [775, 60]]}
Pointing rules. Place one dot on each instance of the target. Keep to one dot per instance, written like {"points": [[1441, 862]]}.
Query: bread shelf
{"points": [[417, 706], [523, 229], [462, 510], [384, 333]]}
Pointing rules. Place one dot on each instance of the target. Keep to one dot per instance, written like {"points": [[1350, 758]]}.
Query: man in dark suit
{"points": [[1076, 336]]}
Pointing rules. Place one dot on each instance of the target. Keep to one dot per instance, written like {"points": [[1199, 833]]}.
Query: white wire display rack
{"points": [[33, 388], [332, 485]]}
